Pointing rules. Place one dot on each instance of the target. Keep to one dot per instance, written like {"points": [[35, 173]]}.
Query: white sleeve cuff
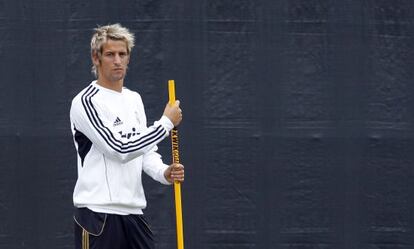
{"points": [[162, 178], [166, 123]]}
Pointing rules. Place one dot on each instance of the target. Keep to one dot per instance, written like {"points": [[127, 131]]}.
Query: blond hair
{"points": [[113, 32]]}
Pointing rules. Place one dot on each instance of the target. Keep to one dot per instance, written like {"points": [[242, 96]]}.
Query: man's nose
{"points": [[117, 59]]}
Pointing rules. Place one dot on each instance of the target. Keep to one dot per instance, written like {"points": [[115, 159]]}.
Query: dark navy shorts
{"points": [[110, 231]]}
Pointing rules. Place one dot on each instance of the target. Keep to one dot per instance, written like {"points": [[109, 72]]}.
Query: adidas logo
{"points": [[117, 121]]}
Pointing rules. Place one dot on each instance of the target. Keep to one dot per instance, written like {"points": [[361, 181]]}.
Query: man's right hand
{"points": [[173, 112]]}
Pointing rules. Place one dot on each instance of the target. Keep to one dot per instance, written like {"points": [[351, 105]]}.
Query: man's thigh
{"points": [[98, 231], [114, 232], [138, 232]]}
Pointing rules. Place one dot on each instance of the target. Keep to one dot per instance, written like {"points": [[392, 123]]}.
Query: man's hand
{"points": [[175, 172], [174, 113]]}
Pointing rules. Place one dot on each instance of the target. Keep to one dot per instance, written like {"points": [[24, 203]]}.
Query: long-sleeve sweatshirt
{"points": [[113, 146]]}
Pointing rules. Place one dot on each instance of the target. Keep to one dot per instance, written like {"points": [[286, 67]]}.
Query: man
{"points": [[114, 146]]}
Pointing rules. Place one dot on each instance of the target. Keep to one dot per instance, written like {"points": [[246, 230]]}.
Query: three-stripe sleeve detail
{"points": [[152, 137]]}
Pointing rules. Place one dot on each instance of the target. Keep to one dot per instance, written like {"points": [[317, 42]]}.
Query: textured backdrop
{"points": [[298, 126]]}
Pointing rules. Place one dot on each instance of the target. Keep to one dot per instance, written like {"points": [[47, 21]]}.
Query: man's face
{"points": [[113, 62]]}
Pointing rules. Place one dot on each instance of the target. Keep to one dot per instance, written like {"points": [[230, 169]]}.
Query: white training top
{"points": [[114, 145]]}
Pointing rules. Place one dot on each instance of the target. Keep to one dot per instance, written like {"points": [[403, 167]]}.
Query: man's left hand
{"points": [[175, 172]]}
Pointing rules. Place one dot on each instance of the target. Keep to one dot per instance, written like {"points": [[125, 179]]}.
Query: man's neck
{"points": [[115, 86]]}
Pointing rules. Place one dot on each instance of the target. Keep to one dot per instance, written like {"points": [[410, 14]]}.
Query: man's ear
{"points": [[95, 59]]}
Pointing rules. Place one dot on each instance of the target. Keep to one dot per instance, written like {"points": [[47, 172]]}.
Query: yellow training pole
{"points": [[177, 185]]}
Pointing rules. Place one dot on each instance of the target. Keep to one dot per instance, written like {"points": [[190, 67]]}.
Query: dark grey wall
{"points": [[298, 129]]}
